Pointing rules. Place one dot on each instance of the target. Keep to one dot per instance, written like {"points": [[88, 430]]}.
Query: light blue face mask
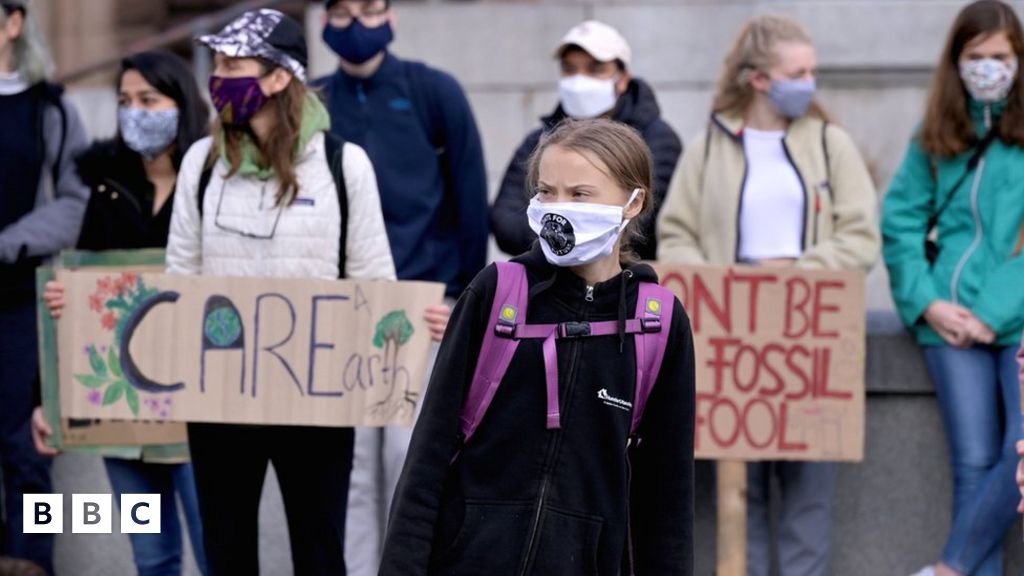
{"points": [[148, 132], [792, 97]]}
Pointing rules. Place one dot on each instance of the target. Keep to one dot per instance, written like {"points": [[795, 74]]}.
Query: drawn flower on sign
{"points": [[114, 299], [223, 326]]}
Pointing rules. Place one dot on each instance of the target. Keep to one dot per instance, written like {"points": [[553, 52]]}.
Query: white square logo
{"points": [[140, 513], [91, 513], [42, 513]]}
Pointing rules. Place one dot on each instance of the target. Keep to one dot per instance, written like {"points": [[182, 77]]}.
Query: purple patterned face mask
{"points": [[237, 100]]}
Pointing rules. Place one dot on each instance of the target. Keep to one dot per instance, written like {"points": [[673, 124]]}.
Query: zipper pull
{"points": [[590, 294], [361, 93]]}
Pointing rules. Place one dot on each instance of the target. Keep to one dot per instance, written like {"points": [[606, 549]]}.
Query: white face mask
{"points": [[576, 233], [585, 97]]}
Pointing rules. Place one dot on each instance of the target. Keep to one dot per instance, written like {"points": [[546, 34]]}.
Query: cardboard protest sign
{"points": [[110, 438], [780, 361], [243, 350]]}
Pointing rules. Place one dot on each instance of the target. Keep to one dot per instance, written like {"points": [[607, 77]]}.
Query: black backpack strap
{"points": [[972, 163], [335, 149], [204, 182], [52, 96]]}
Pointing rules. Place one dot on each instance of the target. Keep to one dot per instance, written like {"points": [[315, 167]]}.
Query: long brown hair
{"points": [[279, 151], [947, 129], [754, 50], [617, 146]]}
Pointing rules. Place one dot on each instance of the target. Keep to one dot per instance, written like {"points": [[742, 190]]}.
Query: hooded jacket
{"points": [[700, 221], [522, 499], [979, 233], [638, 108]]}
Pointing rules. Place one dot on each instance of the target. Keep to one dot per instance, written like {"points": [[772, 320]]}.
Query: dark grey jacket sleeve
{"points": [[60, 205], [508, 214]]}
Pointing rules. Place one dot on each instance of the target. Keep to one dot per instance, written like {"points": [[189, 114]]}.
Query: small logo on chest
{"points": [[612, 401]]}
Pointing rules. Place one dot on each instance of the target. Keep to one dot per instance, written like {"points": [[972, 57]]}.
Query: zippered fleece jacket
{"points": [[699, 223], [522, 499], [978, 235]]}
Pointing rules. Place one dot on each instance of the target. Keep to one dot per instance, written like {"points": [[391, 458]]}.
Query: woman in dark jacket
{"points": [[132, 177], [575, 493]]}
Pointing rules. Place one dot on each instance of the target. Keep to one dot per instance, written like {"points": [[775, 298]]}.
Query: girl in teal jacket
{"points": [[963, 178]]}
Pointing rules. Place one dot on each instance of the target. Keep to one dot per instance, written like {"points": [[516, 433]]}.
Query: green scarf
{"points": [[315, 118]]}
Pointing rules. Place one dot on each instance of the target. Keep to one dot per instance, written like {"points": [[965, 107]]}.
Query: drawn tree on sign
{"points": [[393, 331]]}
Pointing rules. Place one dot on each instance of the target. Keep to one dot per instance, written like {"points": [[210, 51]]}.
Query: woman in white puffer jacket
{"points": [[270, 208]]}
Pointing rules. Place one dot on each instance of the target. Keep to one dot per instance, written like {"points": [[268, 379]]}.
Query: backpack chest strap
{"points": [[551, 333], [569, 330]]}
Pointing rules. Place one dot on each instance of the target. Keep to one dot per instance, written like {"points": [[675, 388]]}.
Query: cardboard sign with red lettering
{"points": [[780, 361], [243, 350]]}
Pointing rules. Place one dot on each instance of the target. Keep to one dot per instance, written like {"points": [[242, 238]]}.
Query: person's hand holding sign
{"points": [[41, 432], [437, 320], [53, 296]]}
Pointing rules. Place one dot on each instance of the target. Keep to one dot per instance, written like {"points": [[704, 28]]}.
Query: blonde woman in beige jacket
{"points": [[773, 183]]}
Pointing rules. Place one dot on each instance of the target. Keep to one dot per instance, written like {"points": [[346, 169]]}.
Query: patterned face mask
{"points": [[237, 100], [988, 80], [148, 132]]}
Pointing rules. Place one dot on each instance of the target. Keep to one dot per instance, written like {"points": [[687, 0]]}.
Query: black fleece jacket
{"points": [[120, 211], [638, 108], [521, 499]]}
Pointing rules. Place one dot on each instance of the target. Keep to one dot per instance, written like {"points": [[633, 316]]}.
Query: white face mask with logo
{"points": [[577, 233], [584, 97]]}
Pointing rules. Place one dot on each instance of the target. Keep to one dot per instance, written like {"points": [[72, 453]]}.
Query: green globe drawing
{"points": [[222, 327]]}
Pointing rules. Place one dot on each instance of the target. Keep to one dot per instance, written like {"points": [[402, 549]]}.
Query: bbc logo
{"points": [[91, 513]]}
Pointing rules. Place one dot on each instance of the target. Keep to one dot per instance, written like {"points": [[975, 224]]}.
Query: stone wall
{"points": [[875, 57]]}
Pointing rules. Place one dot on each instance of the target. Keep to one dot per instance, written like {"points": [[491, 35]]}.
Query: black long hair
{"points": [[172, 77]]}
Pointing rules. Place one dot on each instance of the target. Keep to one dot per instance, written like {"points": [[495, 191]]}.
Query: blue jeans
{"points": [[160, 554], [22, 469], [979, 394]]}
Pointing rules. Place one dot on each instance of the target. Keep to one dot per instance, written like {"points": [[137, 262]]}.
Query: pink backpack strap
{"points": [[654, 306], [498, 347]]}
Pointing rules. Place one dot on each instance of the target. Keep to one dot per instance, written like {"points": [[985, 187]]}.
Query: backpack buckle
{"points": [[506, 325], [650, 325], [574, 329]]}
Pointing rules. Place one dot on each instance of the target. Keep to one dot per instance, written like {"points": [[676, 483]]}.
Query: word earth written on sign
{"points": [[243, 350], [780, 361]]}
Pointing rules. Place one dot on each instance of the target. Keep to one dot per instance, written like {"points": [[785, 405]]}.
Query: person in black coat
{"points": [[584, 495], [131, 178], [595, 81]]}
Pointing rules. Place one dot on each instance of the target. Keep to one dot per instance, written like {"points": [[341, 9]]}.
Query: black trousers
{"points": [[313, 465], [22, 469]]}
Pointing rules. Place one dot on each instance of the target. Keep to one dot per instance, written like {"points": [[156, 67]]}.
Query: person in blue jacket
{"points": [[416, 125]]}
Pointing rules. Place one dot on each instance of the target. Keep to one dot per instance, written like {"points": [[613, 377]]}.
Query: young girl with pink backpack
{"points": [[557, 434]]}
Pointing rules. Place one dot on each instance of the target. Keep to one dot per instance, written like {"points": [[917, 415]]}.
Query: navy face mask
{"points": [[356, 43]]}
